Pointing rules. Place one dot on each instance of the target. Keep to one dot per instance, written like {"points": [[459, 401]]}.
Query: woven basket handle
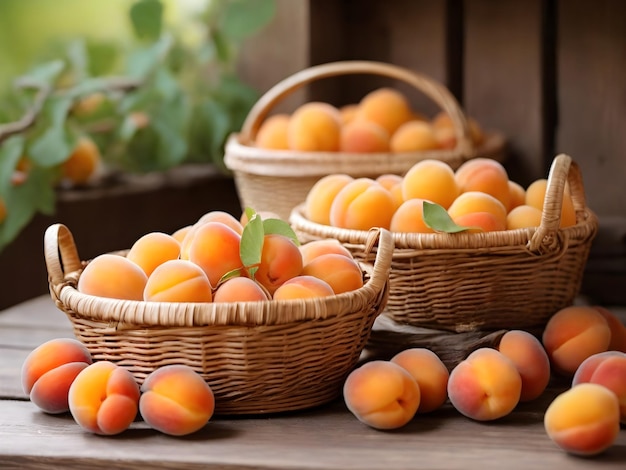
{"points": [[383, 240], [562, 170], [60, 254], [438, 93]]}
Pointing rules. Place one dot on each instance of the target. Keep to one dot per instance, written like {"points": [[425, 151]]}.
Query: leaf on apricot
{"points": [[280, 227], [251, 245], [437, 218]]}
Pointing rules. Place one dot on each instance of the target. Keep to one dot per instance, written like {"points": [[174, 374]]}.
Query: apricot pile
{"points": [[383, 121], [105, 399], [478, 196], [220, 258]]}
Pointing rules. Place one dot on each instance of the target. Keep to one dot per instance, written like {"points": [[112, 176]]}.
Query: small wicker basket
{"points": [[278, 180], [258, 357], [467, 282]]}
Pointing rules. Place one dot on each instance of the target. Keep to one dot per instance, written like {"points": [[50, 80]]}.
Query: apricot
{"points": [[280, 260], [480, 222], [83, 162], [104, 398], [223, 217], [414, 136], [382, 394], [324, 246], [409, 217], [264, 215], [485, 175], [113, 276], [485, 386], [272, 133], [215, 248], [618, 329], [152, 250], [315, 126], [535, 194], [432, 180], [348, 112], [3, 210], [321, 196], [239, 289], [176, 400], [178, 280], [180, 234], [573, 334], [518, 195], [443, 123], [386, 107], [341, 272], [393, 183], [430, 373], [530, 359], [49, 370], [583, 420], [361, 136], [303, 287], [477, 201], [362, 204], [609, 370], [523, 216]]}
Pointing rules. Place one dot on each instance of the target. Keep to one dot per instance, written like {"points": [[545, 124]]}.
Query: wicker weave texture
{"points": [[261, 174], [485, 281], [258, 357]]}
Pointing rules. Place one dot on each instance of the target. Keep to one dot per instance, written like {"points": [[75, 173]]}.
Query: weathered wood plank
{"points": [[504, 79], [325, 438], [592, 97]]}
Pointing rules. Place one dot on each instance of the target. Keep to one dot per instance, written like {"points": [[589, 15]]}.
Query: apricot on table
{"points": [[382, 394], [618, 329], [49, 370], [584, 420], [176, 400], [609, 370], [531, 360], [315, 126], [430, 373], [113, 276], [573, 334], [178, 280], [485, 386], [104, 398]]}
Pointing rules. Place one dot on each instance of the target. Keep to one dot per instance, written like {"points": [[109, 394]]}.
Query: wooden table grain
{"points": [[325, 438]]}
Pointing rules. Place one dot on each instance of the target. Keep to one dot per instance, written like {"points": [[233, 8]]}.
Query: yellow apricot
{"points": [[414, 136], [385, 106], [153, 249], [409, 217], [320, 197], [485, 175], [272, 133], [361, 136], [83, 162], [315, 126], [362, 204], [432, 180]]}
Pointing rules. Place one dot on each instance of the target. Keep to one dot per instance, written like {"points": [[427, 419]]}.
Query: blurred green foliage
{"points": [[153, 92]]}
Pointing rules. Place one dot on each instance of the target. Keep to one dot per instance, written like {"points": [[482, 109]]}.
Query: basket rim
{"points": [[245, 158], [60, 251]]}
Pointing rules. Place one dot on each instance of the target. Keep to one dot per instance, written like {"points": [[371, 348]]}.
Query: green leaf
{"points": [[54, 145], [45, 73], [221, 46], [142, 62], [147, 18], [79, 59], [10, 152], [437, 218], [280, 227], [102, 57], [209, 127], [251, 246], [244, 18]]}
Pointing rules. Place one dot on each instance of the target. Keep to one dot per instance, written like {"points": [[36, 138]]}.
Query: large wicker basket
{"points": [[467, 282], [277, 180], [258, 357]]}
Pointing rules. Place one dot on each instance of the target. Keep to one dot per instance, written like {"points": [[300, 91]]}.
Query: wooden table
{"points": [[325, 438]]}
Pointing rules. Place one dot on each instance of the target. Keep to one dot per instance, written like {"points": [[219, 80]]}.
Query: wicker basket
{"points": [[467, 282], [277, 180], [258, 357]]}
